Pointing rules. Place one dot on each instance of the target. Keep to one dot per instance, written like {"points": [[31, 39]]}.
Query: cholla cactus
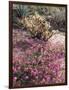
{"points": [[38, 27]]}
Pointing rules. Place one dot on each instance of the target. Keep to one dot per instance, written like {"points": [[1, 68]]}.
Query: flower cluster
{"points": [[36, 62]]}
